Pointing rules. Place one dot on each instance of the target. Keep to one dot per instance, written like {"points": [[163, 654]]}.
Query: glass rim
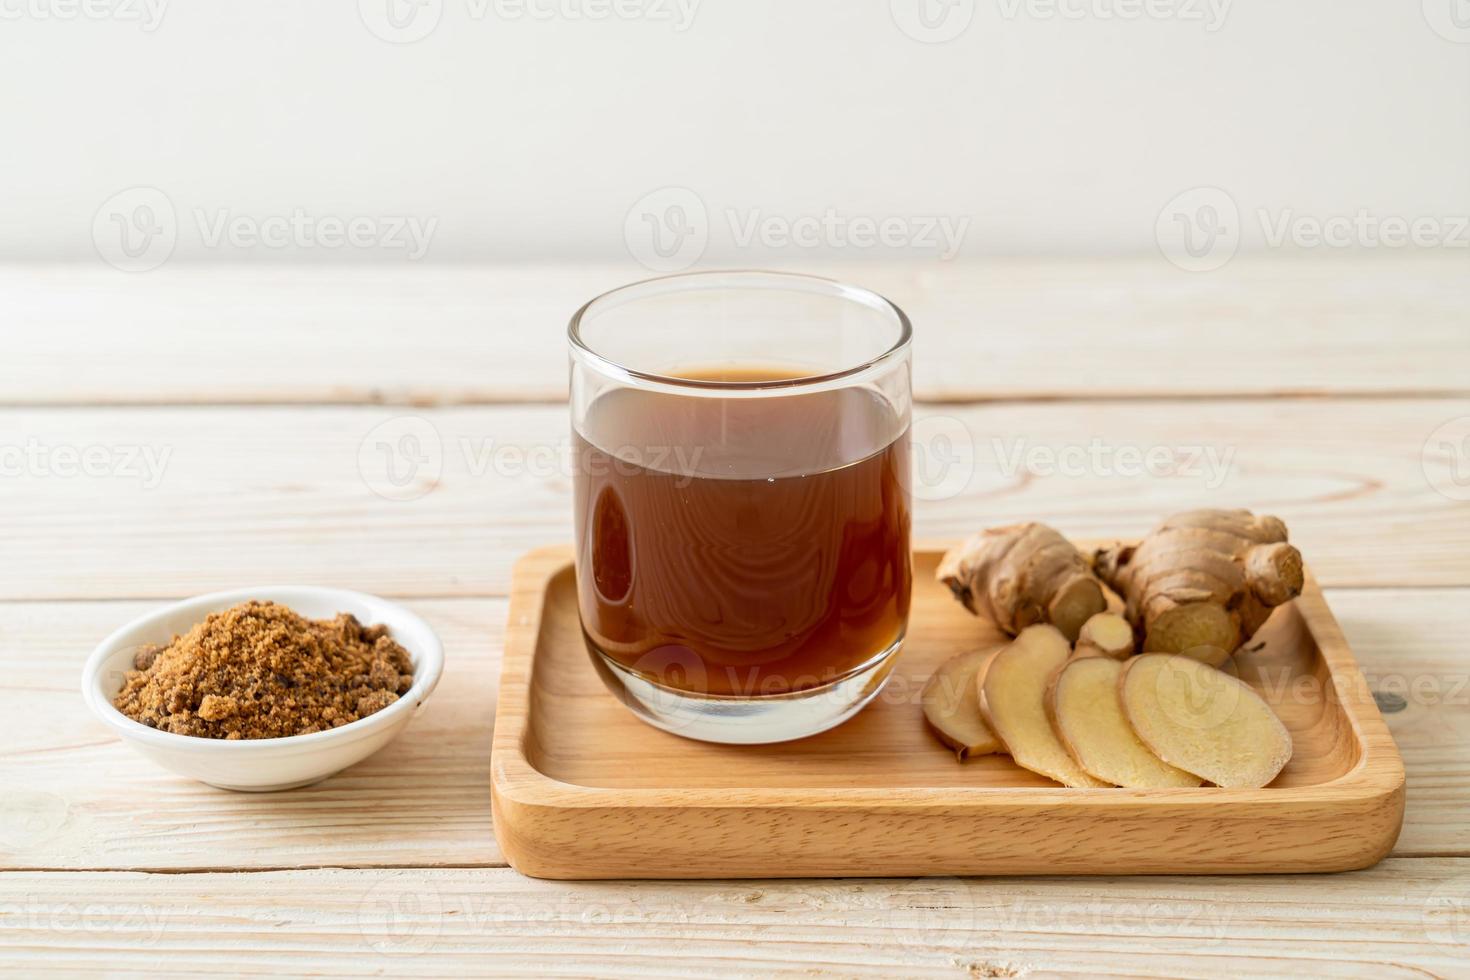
{"points": [[823, 285]]}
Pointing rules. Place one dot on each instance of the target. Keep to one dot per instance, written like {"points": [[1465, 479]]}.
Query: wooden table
{"points": [[1320, 383]]}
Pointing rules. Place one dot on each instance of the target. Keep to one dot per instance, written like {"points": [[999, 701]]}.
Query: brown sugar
{"points": [[259, 670]]}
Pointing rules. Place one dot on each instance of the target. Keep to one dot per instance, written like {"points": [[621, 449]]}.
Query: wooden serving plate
{"points": [[583, 789]]}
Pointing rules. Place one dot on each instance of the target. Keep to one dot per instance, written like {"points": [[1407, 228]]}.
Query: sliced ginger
{"points": [[1105, 635], [1203, 721], [1087, 713], [952, 705], [1013, 703]]}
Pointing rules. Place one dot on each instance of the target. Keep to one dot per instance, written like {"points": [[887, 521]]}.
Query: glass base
{"points": [[755, 720]]}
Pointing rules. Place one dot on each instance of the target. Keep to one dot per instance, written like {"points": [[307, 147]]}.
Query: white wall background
{"points": [[531, 137]]}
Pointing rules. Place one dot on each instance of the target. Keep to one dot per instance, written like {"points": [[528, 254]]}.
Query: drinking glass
{"points": [[742, 499]]}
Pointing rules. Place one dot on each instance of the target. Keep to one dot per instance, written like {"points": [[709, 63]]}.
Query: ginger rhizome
{"points": [[1021, 575], [1203, 578]]}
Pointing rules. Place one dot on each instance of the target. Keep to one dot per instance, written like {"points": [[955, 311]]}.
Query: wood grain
{"points": [[985, 330], [78, 799], [1400, 919], [1414, 657], [582, 789], [255, 495], [282, 495]]}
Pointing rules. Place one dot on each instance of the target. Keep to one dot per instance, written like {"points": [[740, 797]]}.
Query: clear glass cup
{"points": [[742, 499]]}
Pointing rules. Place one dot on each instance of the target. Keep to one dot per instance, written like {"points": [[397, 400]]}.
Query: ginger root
{"points": [[1021, 575], [1203, 578]]}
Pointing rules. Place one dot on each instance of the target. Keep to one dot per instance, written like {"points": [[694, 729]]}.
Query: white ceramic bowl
{"points": [[260, 765]]}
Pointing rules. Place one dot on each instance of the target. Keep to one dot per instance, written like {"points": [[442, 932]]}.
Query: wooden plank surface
{"points": [[1402, 918], [984, 330], [77, 798], [262, 495], [283, 480]]}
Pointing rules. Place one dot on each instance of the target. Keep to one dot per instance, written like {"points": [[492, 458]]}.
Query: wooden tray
{"points": [[583, 789]]}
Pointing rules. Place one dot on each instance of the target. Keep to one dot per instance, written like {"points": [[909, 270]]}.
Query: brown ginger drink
{"points": [[743, 546]]}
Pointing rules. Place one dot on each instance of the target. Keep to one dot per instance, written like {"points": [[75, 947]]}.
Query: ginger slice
{"points": [[1023, 574], [1105, 635], [951, 702], [1013, 703], [1087, 714], [1203, 721]]}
